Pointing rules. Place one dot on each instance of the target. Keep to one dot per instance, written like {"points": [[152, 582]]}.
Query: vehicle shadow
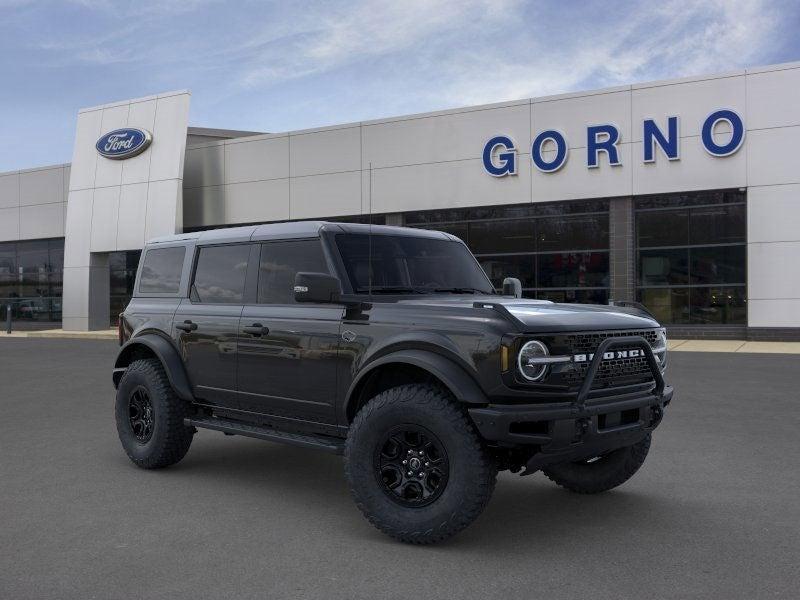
{"points": [[525, 512]]}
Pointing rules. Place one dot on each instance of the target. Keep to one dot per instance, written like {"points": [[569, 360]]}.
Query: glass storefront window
{"points": [[495, 237], [718, 305], [669, 305], [580, 296], [523, 267], [692, 257], [662, 228], [587, 232], [31, 275], [573, 269], [557, 250], [724, 224], [122, 271]]}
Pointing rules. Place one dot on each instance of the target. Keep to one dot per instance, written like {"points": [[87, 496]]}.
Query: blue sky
{"points": [[276, 66]]}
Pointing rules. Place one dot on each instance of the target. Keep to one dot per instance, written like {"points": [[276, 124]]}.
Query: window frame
{"points": [[138, 293], [247, 289], [326, 257]]}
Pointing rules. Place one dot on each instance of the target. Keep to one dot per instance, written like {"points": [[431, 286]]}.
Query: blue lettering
{"points": [[737, 126], [507, 158], [652, 135], [602, 138], [561, 151]]}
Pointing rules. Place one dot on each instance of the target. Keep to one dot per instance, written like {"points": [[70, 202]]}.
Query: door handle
{"points": [[187, 326], [256, 329]]}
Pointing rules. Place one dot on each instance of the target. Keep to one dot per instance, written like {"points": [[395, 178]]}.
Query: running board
{"points": [[319, 442]]}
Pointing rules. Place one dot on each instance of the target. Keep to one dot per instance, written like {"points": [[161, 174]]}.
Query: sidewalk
{"points": [[734, 346], [674, 345]]}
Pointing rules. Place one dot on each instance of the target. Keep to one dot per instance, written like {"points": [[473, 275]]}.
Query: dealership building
{"points": [[683, 195]]}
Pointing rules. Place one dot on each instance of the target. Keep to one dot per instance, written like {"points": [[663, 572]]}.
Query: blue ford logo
{"points": [[123, 143]]}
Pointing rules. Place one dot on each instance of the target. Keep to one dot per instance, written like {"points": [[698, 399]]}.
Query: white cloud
{"points": [[325, 38], [674, 40]]}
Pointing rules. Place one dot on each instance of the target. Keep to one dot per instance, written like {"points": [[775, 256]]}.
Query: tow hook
{"points": [[581, 427], [655, 415]]}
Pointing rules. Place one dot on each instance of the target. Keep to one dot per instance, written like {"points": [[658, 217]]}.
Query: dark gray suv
{"points": [[390, 346]]}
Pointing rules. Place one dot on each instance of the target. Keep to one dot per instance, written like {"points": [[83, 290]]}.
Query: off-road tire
{"points": [[605, 473], [170, 439], [472, 471]]}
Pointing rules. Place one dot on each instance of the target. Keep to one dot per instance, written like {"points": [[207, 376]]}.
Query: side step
{"points": [[319, 442]]}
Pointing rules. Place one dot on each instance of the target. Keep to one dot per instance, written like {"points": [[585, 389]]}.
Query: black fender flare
{"points": [[166, 352], [453, 376]]}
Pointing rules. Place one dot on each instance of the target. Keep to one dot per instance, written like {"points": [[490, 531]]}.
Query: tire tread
{"points": [[485, 469]]}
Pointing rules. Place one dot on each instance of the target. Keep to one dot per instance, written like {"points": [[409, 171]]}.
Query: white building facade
{"points": [[683, 195]]}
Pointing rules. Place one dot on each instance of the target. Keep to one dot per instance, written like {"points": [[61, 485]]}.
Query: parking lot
{"points": [[714, 512]]}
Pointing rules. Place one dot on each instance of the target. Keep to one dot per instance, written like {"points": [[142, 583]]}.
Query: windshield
{"points": [[408, 265]]}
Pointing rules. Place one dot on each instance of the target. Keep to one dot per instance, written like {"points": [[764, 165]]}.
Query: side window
{"points": [[280, 262], [220, 274], [161, 270]]}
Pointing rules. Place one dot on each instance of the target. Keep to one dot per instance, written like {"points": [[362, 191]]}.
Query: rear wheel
{"points": [[150, 416], [600, 473], [415, 465]]}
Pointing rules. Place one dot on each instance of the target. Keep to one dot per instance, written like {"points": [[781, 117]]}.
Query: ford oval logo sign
{"points": [[123, 143]]}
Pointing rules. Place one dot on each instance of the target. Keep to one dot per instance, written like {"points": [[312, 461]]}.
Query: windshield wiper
{"points": [[462, 290], [389, 289]]}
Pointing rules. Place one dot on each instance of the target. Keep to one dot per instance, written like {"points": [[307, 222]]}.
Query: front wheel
{"points": [[600, 473], [416, 467]]}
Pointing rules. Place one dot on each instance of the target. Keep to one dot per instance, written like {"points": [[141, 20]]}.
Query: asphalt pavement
{"points": [[714, 512]]}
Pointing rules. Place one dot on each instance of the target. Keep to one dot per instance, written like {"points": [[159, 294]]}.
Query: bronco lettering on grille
{"points": [[635, 353]]}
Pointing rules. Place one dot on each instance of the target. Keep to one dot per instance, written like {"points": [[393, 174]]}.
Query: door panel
{"points": [[209, 351], [207, 324], [289, 369]]}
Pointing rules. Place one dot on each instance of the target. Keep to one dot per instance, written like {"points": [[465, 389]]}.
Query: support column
{"points": [[622, 256], [87, 290], [117, 205]]}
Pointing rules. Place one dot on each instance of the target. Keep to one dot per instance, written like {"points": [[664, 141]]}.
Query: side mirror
{"points": [[512, 287], [320, 288]]}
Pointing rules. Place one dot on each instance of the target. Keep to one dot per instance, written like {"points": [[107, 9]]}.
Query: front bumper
{"points": [[569, 431]]}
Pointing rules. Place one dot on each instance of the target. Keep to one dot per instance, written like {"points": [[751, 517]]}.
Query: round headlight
{"points": [[661, 348], [528, 366]]}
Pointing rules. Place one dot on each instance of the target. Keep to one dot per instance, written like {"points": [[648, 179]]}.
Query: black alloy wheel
{"points": [[411, 465], [140, 414]]}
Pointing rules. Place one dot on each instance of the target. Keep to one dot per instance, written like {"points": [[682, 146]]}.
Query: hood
{"points": [[533, 316]]}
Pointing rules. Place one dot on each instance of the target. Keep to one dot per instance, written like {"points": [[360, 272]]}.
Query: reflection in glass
{"points": [[496, 237], [568, 233], [161, 271], [573, 269], [718, 225], [701, 239], [509, 241], [664, 267], [280, 263], [718, 306], [718, 264], [662, 228], [499, 267], [31, 278], [669, 305], [220, 273]]}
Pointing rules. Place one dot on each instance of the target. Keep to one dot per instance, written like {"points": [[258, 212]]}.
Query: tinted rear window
{"points": [[221, 273], [161, 271]]}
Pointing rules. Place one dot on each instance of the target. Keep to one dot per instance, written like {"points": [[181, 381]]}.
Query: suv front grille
{"points": [[612, 372]]}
